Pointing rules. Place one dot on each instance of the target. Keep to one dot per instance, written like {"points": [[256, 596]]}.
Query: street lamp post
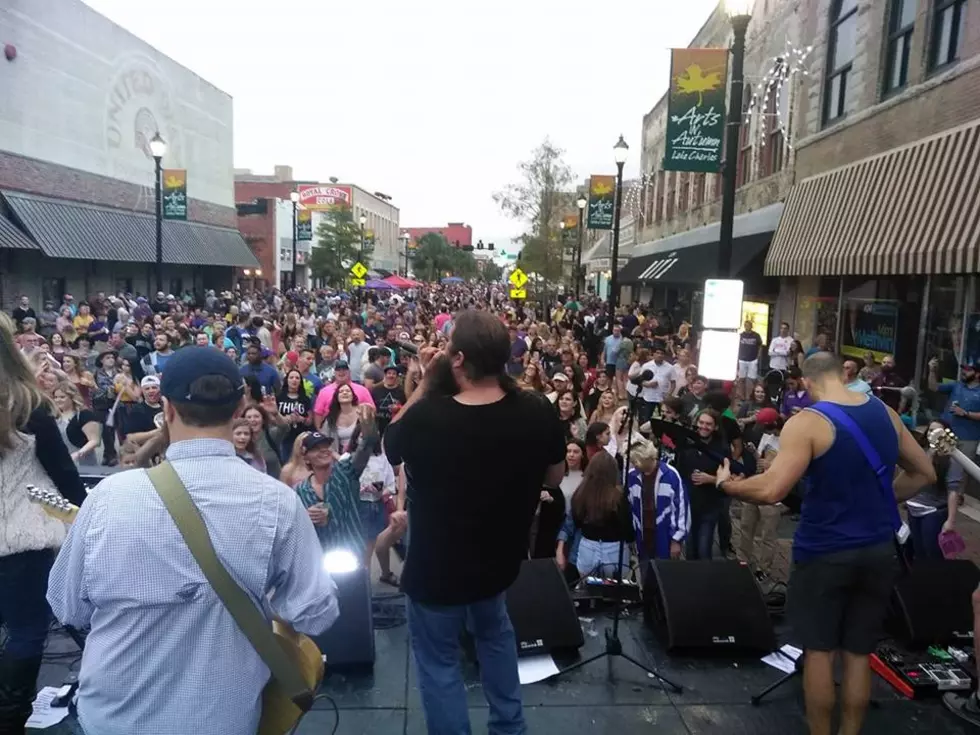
{"points": [[406, 239], [158, 148], [561, 255], [363, 221], [619, 150], [582, 202], [294, 198], [739, 12]]}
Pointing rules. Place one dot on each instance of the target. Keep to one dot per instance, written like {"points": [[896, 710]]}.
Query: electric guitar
{"points": [[943, 441], [279, 713]]}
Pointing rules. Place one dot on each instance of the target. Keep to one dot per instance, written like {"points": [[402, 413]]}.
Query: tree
{"points": [[434, 256], [491, 272], [540, 199], [338, 247]]}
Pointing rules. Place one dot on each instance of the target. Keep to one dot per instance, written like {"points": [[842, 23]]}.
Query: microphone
{"points": [[409, 347], [642, 377]]}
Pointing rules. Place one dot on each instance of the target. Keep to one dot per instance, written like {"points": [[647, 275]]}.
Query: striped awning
{"points": [[912, 210]]}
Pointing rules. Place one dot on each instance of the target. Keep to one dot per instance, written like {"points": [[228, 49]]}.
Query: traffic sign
{"points": [[357, 281], [518, 278], [518, 293], [358, 270]]}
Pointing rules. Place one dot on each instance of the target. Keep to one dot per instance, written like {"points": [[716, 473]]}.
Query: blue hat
{"points": [[190, 363]]}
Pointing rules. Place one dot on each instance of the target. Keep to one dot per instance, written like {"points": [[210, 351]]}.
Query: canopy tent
{"points": [[399, 282], [379, 285], [452, 279]]}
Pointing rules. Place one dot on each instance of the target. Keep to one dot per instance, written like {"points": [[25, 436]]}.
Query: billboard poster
{"points": [[174, 193], [696, 109], [304, 225], [602, 202], [870, 326], [320, 198]]}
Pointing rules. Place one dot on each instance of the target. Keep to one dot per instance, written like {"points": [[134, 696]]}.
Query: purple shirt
{"points": [[793, 400]]}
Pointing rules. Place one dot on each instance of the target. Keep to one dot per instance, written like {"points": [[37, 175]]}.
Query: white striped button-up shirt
{"points": [[164, 656]]}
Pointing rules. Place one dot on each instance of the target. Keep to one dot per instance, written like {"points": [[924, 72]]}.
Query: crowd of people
{"points": [[646, 441]]}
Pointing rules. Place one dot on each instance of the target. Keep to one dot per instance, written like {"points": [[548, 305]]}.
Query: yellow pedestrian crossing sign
{"points": [[518, 293], [358, 270], [518, 278], [357, 281]]}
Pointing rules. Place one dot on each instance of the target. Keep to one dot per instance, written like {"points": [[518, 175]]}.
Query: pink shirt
{"points": [[324, 397], [440, 320]]}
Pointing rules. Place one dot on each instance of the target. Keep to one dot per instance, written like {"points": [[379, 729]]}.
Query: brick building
{"points": [[677, 214], [457, 234], [265, 221], [81, 100], [879, 242]]}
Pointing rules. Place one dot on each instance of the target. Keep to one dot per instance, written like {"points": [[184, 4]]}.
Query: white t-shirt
{"points": [[679, 376], [779, 349], [662, 373], [768, 442], [378, 470]]}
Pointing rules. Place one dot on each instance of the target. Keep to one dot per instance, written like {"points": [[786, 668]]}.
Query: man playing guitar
{"points": [[164, 655]]}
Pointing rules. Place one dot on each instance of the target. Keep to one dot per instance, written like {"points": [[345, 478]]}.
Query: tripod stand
{"points": [[614, 646]]}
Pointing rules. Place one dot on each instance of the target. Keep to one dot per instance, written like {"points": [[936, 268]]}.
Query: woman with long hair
{"points": [[341, 418], [697, 466], [606, 409], [294, 409], [569, 411], [31, 453], [77, 375], [244, 441], [601, 514], [932, 511], [58, 347], [295, 469], [266, 436], [80, 428], [532, 380]]}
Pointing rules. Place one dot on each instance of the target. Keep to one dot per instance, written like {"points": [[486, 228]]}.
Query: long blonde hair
{"points": [[20, 393]]}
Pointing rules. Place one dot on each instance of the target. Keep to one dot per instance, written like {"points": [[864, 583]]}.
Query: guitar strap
{"points": [[252, 623]]}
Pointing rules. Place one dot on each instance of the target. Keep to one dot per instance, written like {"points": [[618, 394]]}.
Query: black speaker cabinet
{"points": [[349, 643], [931, 604], [706, 606], [541, 609]]}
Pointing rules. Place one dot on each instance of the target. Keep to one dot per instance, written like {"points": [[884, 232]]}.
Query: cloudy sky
{"points": [[431, 101]]}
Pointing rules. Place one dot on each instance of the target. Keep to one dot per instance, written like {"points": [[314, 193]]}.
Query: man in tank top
{"points": [[843, 551]]}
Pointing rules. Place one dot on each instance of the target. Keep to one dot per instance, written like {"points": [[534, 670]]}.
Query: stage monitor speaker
{"points": [[931, 604], [541, 609], [349, 643], [706, 606]]}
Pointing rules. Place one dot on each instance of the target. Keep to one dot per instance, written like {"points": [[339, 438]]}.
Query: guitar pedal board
{"points": [[923, 674]]}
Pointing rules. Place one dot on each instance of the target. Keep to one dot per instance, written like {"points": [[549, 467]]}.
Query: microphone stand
{"points": [[614, 646]]}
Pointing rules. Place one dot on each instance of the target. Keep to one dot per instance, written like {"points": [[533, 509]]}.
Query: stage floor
{"points": [[715, 698]]}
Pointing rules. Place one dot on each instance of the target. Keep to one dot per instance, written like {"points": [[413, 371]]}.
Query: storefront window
{"points": [[881, 317], [944, 328]]}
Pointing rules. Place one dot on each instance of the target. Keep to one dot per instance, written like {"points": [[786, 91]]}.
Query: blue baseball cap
{"points": [[189, 364]]}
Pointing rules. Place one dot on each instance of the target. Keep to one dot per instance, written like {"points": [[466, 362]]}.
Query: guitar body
{"points": [[279, 713]]}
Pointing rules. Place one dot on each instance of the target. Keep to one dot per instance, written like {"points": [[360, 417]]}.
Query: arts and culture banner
{"points": [[304, 225], [602, 202], [696, 109], [174, 193]]}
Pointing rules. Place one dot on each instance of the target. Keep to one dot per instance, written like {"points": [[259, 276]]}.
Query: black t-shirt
{"points": [[474, 479], [74, 429], [140, 418], [387, 401], [748, 346], [703, 497]]}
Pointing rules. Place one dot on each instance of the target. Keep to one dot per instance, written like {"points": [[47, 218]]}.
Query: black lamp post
{"points": [[406, 239], [619, 150], [582, 203], [294, 198], [158, 148], [363, 221], [739, 12]]}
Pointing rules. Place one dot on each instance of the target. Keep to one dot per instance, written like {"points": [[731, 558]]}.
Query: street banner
{"points": [[696, 109], [320, 198], [304, 225], [602, 202], [175, 193], [571, 226]]}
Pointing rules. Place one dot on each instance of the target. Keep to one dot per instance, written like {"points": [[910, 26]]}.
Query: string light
{"points": [[775, 83]]}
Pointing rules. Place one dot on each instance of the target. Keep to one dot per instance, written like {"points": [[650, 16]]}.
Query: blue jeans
{"points": [[23, 605], [925, 532], [598, 558], [701, 537], [435, 632]]}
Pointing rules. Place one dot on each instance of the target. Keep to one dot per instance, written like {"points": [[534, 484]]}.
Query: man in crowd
{"points": [[23, 311], [374, 373], [851, 379], [155, 361], [256, 367], [887, 383], [660, 385], [962, 414], [844, 547], [749, 345], [466, 403], [518, 348], [341, 376], [779, 348], [356, 352]]}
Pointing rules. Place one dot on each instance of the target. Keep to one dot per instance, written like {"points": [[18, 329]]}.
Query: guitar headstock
{"points": [[53, 503], [942, 440]]}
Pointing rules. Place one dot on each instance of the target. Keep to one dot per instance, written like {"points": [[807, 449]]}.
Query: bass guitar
{"points": [[279, 713], [943, 441]]}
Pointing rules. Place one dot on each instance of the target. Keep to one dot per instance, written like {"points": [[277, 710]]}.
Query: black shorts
{"points": [[611, 370], [838, 602]]}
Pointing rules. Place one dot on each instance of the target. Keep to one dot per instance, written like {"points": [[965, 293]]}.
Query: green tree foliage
{"points": [[338, 247], [491, 272], [434, 257], [540, 198]]}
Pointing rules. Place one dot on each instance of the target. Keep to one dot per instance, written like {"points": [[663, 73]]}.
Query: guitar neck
{"points": [[968, 465]]}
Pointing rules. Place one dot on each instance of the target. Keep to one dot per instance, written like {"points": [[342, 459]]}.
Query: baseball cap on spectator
{"points": [[150, 381], [266, 352], [559, 376], [315, 439], [391, 366], [767, 417], [189, 364], [341, 365], [292, 356]]}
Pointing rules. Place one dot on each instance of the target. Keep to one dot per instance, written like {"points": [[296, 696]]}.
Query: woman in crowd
{"points": [[244, 441], [80, 428], [748, 411], [341, 418], [294, 409], [659, 504], [77, 375], [795, 397], [267, 438], [378, 500], [569, 412], [796, 355], [129, 393], [294, 471], [606, 409], [601, 514], [31, 453], [932, 511], [697, 467], [58, 348], [532, 380]]}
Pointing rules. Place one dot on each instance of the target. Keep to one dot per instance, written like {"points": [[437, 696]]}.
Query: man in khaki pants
{"points": [[761, 520]]}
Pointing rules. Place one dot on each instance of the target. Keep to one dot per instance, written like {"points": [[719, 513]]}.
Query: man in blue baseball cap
{"points": [[124, 571]]}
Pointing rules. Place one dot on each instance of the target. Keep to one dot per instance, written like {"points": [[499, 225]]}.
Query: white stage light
{"points": [[722, 304], [340, 561], [718, 358]]}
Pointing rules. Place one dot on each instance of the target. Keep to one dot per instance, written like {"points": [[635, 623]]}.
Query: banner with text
{"points": [[602, 202], [870, 326], [696, 109], [304, 225], [174, 193], [322, 198]]}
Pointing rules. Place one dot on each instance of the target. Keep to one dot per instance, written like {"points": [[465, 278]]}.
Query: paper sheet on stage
{"points": [[536, 668], [785, 661], [44, 714]]}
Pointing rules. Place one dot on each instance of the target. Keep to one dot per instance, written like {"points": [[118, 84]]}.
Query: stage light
{"points": [[340, 561]]}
